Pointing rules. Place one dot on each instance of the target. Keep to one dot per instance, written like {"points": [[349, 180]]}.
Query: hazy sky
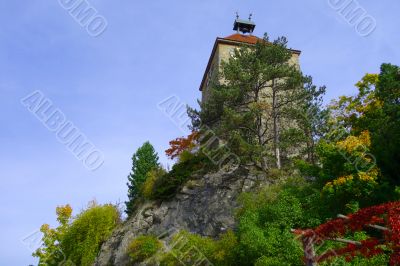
{"points": [[109, 86]]}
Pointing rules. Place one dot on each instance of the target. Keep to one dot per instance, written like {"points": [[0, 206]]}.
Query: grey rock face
{"points": [[205, 205]]}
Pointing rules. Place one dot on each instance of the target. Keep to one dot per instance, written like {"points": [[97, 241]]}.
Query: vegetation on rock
{"points": [[143, 247], [167, 185], [77, 240], [144, 160], [191, 248]]}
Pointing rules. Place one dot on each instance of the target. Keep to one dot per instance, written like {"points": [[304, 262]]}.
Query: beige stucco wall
{"points": [[223, 53], [214, 67]]}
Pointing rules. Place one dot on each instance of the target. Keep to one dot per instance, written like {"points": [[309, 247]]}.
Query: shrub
{"points": [[378, 260], [273, 242], [92, 227], [50, 252], [268, 261], [192, 248], [186, 156], [276, 174], [167, 185], [143, 247], [148, 185], [76, 241], [181, 145], [265, 220]]}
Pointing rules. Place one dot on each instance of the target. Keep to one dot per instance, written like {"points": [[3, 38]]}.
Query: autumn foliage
{"points": [[387, 216], [178, 145]]}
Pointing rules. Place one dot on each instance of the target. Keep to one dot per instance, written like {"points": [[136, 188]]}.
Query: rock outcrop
{"points": [[205, 205]]}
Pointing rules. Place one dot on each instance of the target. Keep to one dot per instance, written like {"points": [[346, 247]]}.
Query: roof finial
{"points": [[237, 15], [251, 14]]}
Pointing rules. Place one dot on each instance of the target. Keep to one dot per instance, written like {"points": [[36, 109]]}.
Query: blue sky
{"points": [[109, 86]]}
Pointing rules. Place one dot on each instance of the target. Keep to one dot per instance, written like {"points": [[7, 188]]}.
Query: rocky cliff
{"points": [[205, 205]]}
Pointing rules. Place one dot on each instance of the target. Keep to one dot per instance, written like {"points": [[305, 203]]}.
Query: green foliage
{"points": [[50, 253], [307, 169], [376, 109], [263, 236], [364, 135], [333, 162], [88, 231], [144, 160], [311, 120], [143, 247], [167, 185], [77, 241], [190, 248], [160, 184], [274, 243], [378, 260], [346, 178], [384, 124], [270, 261], [151, 179], [186, 156], [264, 107], [276, 174], [266, 218], [295, 200]]}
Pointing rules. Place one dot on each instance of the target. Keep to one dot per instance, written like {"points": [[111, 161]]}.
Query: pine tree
{"points": [[311, 118], [144, 160], [252, 109]]}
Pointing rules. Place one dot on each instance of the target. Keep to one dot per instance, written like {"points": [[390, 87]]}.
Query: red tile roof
{"points": [[243, 38]]}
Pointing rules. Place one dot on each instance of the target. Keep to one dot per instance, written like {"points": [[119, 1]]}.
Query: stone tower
{"points": [[224, 48]]}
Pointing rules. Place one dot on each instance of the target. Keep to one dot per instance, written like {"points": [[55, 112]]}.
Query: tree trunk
{"points": [[312, 148], [275, 126], [309, 253], [264, 164], [310, 156]]}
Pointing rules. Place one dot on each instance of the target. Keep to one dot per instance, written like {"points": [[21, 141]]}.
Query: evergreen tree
{"points": [[144, 160], [253, 108], [311, 118], [386, 134]]}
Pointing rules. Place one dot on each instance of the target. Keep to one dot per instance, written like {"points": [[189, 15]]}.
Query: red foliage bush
{"points": [[387, 215], [178, 145]]}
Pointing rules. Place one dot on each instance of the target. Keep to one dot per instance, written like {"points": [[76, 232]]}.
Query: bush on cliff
{"points": [[192, 249], [143, 247], [77, 241], [148, 185], [167, 185], [88, 231]]}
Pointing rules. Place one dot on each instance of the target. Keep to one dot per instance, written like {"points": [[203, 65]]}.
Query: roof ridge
{"points": [[251, 39]]}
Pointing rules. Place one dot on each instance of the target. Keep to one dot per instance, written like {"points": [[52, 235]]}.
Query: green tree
{"points": [[311, 118], [252, 109], [77, 240], [88, 231], [266, 218], [144, 160], [51, 253], [376, 108], [386, 134]]}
